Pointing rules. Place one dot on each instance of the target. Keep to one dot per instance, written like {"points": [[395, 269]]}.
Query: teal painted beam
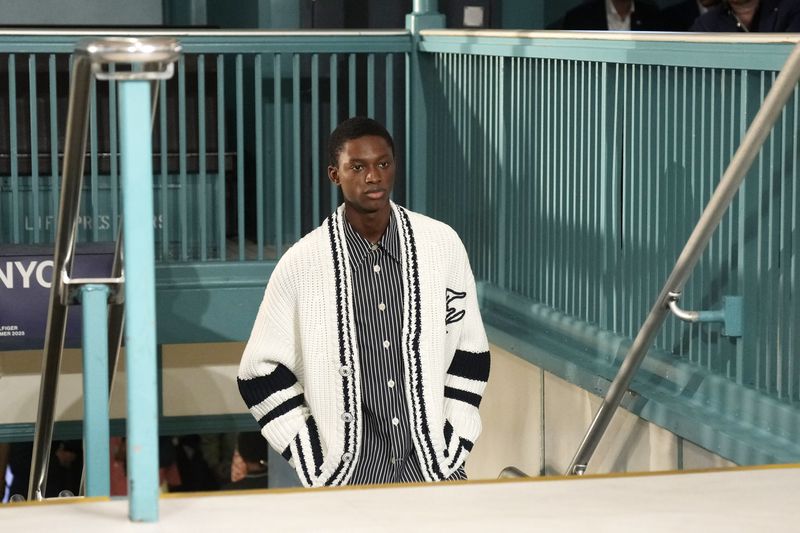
{"points": [[227, 42], [743, 56], [140, 308], [168, 426], [94, 304]]}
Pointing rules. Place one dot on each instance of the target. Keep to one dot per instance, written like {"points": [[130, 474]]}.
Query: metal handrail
{"points": [[89, 58], [717, 206], [511, 472], [71, 177]]}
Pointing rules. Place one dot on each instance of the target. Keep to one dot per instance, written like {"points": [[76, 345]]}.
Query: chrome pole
{"points": [[717, 206], [72, 175]]}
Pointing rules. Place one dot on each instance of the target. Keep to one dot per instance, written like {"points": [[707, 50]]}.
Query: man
{"points": [[616, 15], [751, 16], [681, 16], [368, 357]]}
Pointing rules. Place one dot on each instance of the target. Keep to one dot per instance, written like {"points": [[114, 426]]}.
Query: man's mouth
{"points": [[375, 194]]}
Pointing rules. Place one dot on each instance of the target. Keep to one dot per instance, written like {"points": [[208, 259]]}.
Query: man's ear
{"points": [[333, 175]]}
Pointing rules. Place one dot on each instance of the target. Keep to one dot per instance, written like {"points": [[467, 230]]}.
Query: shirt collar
{"points": [[359, 248], [611, 11]]}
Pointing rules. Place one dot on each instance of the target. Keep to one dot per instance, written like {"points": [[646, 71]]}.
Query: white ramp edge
{"points": [[727, 500]]}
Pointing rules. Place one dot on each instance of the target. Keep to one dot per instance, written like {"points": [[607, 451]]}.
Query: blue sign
{"points": [[26, 274]]}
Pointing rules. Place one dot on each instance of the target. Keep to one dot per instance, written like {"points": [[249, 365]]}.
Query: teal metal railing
{"points": [[575, 166], [239, 142]]}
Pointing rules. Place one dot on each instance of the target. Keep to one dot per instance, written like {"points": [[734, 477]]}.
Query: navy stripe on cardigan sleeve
{"points": [[282, 409], [470, 365], [256, 390], [462, 395]]}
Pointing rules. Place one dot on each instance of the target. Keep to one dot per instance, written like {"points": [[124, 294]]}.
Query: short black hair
{"points": [[354, 128], [252, 447]]}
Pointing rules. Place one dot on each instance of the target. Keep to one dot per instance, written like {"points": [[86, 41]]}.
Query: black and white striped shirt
{"points": [[387, 451]]}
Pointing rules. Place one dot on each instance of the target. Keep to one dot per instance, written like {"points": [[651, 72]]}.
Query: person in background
{"points": [[253, 452], [751, 16], [615, 15], [681, 16]]}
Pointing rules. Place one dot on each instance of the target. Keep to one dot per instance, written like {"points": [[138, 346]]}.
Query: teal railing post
{"points": [[151, 60], [140, 300], [424, 16], [94, 301]]}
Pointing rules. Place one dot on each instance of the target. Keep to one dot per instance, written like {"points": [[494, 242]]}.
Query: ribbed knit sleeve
{"points": [[270, 377], [465, 380]]}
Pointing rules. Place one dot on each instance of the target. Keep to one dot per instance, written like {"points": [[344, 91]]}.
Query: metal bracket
{"points": [[730, 315], [150, 59], [71, 292]]}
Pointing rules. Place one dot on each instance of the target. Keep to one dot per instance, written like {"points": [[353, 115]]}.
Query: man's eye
{"points": [[357, 168], [384, 164]]}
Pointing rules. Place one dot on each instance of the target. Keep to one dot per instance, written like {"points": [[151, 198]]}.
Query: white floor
{"points": [[757, 499]]}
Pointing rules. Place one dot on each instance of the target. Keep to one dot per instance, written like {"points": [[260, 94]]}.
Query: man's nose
{"points": [[373, 176]]}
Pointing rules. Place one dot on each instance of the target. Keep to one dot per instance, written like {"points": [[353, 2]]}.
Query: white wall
{"points": [[520, 402]]}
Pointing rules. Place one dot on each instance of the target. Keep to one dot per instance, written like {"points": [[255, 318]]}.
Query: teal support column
{"points": [[424, 16], [94, 301], [140, 301]]}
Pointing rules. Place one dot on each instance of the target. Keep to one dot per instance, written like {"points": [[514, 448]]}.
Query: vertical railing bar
{"points": [[240, 233], [202, 185], [277, 129], [164, 172], [183, 207], [316, 175], [296, 140], [793, 329], [13, 148], [334, 99], [113, 147], [352, 88], [258, 81], [54, 175], [93, 161], [34, 139], [389, 79], [221, 166], [371, 85], [782, 292]]}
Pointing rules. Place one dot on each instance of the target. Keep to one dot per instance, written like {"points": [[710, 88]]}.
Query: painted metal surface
{"points": [[96, 433], [140, 301], [575, 183], [240, 138]]}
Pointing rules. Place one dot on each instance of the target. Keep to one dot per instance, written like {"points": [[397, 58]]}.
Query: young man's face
{"points": [[365, 173]]}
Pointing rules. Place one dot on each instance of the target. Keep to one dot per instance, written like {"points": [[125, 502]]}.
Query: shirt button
{"points": [[393, 460], [347, 457], [390, 383], [386, 344], [376, 268], [382, 306], [395, 421], [373, 247], [347, 417], [345, 371]]}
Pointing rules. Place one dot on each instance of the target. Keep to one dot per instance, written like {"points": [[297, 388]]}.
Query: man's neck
{"points": [[744, 10], [371, 226]]}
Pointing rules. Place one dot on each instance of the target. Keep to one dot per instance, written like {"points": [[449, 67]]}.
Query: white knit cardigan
{"points": [[300, 373]]}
